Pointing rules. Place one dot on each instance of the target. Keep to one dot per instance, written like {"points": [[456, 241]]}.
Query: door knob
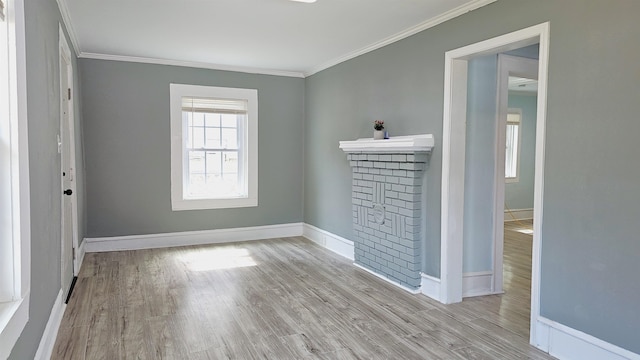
{"points": [[67, 192]]}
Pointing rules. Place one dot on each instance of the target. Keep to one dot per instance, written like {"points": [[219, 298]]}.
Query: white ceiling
{"points": [[265, 36]]}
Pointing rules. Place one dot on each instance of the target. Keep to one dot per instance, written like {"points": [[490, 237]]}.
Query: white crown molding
{"points": [[66, 19], [192, 64], [461, 10], [451, 14]]}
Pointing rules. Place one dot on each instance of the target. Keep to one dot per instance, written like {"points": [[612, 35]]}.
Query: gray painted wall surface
{"points": [[591, 199], [127, 140], [519, 195], [480, 164], [43, 90]]}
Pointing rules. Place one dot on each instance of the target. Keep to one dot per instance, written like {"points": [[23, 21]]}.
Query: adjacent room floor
{"points": [[281, 299]]}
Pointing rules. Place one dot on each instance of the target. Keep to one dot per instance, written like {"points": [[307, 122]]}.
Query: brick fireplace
{"points": [[388, 200]]}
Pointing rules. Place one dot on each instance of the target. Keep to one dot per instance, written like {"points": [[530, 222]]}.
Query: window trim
{"points": [[15, 314], [178, 200], [516, 178]]}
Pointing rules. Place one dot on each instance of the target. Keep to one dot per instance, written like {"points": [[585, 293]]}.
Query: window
{"points": [[214, 153], [14, 178], [512, 156]]}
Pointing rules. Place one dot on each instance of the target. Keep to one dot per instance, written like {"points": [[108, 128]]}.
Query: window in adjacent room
{"points": [[214, 147], [514, 135]]}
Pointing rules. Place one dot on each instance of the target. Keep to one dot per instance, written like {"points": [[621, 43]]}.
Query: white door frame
{"points": [[453, 159], [65, 60], [516, 66]]}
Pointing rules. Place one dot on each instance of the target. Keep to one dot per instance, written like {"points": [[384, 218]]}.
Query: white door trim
{"points": [[65, 60], [453, 157], [517, 66]]}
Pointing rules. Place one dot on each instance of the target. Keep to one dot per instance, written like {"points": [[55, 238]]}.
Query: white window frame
{"points": [[178, 142], [14, 310], [518, 150]]}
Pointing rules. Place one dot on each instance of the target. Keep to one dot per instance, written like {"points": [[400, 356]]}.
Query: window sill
{"points": [[206, 204], [13, 318]]}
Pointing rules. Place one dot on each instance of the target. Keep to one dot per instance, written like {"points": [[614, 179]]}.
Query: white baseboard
{"points": [[343, 247], [413, 291], [79, 258], [477, 283], [335, 243], [430, 286], [136, 242], [48, 339], [518, 214], [566, 343]]}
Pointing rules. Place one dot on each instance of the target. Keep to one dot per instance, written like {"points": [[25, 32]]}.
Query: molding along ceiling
{"points": [[274, 37]]}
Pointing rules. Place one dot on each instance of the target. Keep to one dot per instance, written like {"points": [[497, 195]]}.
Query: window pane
{"points": [[196, 162], [213, 137], [198, 137], [198, 119], [212, 120], [229, 138], [230, 120], [230, 162], [213, 163]]}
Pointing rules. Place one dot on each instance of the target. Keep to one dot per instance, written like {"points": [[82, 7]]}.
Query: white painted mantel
{"points": [[396, 145]]}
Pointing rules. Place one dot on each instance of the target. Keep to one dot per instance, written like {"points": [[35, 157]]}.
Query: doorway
{"points": [[453, 164], [66, 148]]}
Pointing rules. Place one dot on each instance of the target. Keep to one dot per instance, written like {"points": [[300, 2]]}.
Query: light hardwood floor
{"points": [[281, 299]]}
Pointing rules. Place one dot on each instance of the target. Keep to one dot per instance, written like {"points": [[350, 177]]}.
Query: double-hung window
{"points": [[14, 178], [512, 155], [214, 147]]}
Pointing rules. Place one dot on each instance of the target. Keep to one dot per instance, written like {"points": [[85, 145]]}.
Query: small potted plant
{"points": [[378, 133]]}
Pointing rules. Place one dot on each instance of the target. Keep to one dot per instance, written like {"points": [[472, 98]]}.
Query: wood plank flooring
{"points": [[281, 299]]}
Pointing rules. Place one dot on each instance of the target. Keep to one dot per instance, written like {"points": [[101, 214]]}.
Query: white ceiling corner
{"points": [[275, 37]]}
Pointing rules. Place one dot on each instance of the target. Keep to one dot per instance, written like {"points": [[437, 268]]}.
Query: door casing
{"points": [[453, 160]]}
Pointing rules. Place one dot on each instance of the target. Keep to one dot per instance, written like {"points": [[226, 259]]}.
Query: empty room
{"points": [[319, 179]]}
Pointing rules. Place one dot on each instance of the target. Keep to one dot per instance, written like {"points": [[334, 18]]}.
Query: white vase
{"points": [[378, 134]]}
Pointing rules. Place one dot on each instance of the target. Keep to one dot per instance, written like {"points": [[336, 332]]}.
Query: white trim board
{"points": [[518, 214], [186, 238], [345, 248], [478, 284], [48, 339], [79, 258], [333, 242], [412, 291], [66, 20], [430, 286], [566, 343]]}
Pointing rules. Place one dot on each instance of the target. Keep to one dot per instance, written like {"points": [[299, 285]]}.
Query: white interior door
{"points": [[66, 149]]}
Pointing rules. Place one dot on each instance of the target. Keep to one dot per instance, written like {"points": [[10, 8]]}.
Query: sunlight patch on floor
{"points": [[216, 259]]}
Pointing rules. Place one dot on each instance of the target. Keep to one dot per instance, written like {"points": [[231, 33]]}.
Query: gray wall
{"points": [[591, 197], [127, 138], [519, 195], [479, 164], [43, 84]]}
